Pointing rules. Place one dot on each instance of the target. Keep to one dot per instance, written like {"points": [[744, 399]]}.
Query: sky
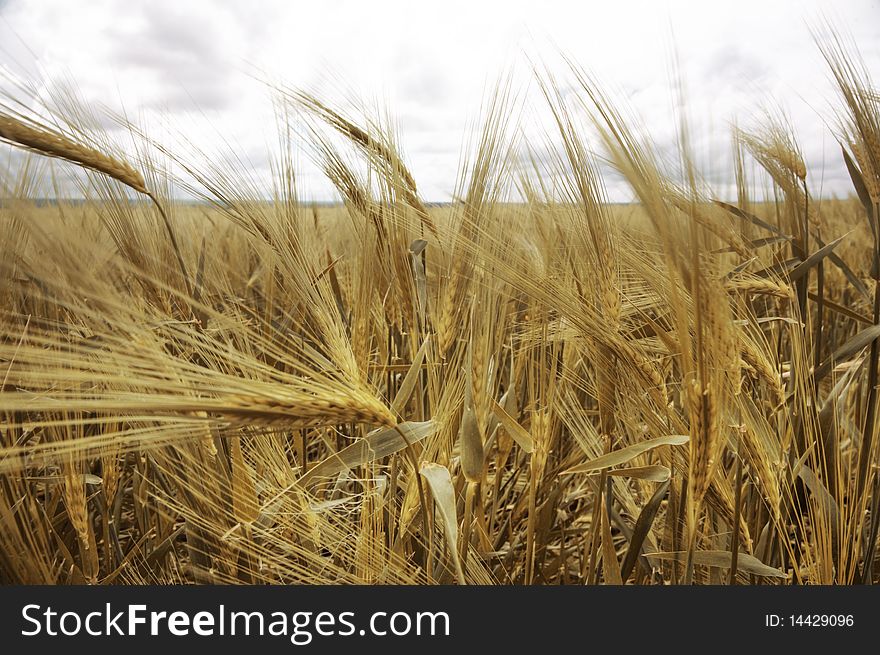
{"points": [[200, 67]]}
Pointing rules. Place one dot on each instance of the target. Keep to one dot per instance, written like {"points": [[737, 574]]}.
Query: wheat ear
{"points": [[53, 144]]}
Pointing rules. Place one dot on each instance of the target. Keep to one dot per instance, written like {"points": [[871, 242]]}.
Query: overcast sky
{"points": [[430, 63]]}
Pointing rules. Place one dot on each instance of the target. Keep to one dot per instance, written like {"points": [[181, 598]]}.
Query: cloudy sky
{"points": [[191, 63]]}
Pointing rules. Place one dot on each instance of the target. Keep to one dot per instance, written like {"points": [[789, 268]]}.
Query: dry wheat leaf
{"points": [[517, 432], [440, 482], [410, 379], [624, 455], [859, 185], [641, 530], [852, 345], [721, 559], [652, 473], [804, 267], [820, 492], [850, 275], [751, 218], [376, 445]]}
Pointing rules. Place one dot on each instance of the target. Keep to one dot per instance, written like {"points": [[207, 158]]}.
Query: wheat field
{"points": [[529, 385]]}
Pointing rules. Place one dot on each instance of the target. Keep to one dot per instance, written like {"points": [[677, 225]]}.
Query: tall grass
{"points": [[530, 386]]}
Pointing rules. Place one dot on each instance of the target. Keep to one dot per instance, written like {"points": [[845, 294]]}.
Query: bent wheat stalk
{"points": [[50, 143]]}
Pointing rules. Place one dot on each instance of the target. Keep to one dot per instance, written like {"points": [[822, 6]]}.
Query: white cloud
{"points": [[432, 63]]}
